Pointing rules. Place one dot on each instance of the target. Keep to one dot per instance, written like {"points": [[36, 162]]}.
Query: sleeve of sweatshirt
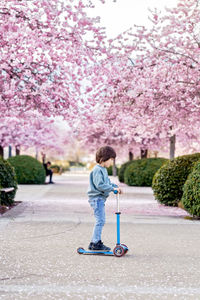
{"points": [[99, 182], [113, 184]]}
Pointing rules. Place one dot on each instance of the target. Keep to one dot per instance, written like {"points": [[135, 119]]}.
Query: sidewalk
{"points": [[39, 237]]}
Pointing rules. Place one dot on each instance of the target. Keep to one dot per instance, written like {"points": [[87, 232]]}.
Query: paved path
{"points": [[38, 241]]}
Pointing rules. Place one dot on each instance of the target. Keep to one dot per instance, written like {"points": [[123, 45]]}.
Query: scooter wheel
{"points": [[80, 250], [118, 251], [125, 250]]}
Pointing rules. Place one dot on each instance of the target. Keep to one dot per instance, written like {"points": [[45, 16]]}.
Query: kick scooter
{"points": [[120, 249]]}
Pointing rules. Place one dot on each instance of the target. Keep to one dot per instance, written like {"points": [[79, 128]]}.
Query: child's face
{"points": [[108, 162]]}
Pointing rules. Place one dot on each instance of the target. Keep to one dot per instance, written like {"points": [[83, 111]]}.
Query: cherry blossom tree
{"points": [[170, 59], [158, 96], [31, 131], [46, 47]]}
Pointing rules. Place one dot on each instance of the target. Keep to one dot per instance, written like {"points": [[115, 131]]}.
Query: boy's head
{"points": [[104, 154]]}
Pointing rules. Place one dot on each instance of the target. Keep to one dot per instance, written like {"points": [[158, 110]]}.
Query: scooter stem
{"points": [[118, 218], [118, 228], [117, 196]]}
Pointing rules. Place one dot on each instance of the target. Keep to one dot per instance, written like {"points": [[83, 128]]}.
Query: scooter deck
{"points": [[90, 252]]}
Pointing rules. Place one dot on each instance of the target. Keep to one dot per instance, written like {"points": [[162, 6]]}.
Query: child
{"points": [[99, 189]]}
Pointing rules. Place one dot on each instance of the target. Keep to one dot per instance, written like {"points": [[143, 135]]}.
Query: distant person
{"points": [[99, 189], [48, 171]]}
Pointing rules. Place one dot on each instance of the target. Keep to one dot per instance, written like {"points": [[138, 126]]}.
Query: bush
{"points": [[76, 164], [122, 170], [7, 179], [110, 171], [191, 192], [65, 169], [28, 169], [168, 182], [140, 172], [59, 168], [55, 168]]}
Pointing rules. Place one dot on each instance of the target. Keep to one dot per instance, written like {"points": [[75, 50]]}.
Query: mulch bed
{"points": [[4, 209]]}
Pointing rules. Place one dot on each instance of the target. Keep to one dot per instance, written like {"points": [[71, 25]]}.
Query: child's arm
{"points": [[113, 184], [100, 184], [116, 187]]}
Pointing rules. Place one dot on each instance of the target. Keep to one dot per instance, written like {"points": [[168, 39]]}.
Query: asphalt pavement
{"points": [[39, 238]]}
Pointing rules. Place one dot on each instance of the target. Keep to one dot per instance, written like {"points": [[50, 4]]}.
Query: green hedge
{"points": [[110, 171], [168, 182], [7, 179], [76, 164], [55, 168], [28, 169], [59, 168], [122, 170], [140, 172], [191, 192]]}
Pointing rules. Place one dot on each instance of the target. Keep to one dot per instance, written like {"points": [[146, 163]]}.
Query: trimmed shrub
{"points": [[55, 168], [168, 182], [28, 169], [59, 169], [191, 192], [110, 171], [7, 179], [140, 172], [76, 164], [122, 170], [65, 169]]}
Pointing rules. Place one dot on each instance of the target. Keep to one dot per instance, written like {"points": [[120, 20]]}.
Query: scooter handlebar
{"points": [[115, 191]]}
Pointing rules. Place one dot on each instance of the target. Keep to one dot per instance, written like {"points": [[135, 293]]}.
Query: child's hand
{"points": [[119, 190]]}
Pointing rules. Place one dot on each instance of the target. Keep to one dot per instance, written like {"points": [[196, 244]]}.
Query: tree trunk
{"points": [[114, 169], [9, 151], [43, 158], [172, 146], [130, 154], [17, 149], [36, 154], [1, 152], [155, 154], [143, 153]]}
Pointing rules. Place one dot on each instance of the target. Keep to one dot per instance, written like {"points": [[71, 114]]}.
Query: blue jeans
{"points": [[98, 205]]}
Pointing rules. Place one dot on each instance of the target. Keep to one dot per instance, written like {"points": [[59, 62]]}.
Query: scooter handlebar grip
{"points": [[115, 192]]}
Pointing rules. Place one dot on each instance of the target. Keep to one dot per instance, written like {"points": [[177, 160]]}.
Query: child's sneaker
{"points": [[99, 246], [90, 247]]}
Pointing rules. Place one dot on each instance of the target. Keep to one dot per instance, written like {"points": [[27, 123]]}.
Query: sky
{"points": [[120, 15]]}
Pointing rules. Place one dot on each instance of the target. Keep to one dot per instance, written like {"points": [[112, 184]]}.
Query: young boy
{"points": [[99, 189]]}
